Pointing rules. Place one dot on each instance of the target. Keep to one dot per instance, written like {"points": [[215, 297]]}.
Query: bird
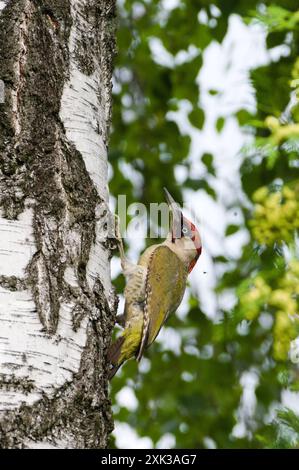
{"points": [[155, 286]]}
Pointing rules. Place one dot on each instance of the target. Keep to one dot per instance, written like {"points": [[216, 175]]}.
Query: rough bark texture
{"points": [[56, 302]]}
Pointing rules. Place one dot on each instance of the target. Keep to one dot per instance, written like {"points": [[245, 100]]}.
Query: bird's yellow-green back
{"points": [[165, 287]]}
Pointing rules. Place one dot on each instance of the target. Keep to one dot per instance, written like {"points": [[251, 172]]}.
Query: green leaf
{"points": [[220, 124], [207, 160], [231, 229], [197, 118]]}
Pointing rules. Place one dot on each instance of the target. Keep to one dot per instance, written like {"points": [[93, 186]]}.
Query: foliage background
{"points": [[224, 388]]}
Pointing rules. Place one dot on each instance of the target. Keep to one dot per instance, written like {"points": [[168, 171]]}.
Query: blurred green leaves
{"points": [[196, 394]]}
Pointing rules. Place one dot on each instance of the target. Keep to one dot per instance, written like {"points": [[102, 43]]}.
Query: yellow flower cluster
{"points": [[255, 298], [283, 301], [276, 215], [280, 132]]}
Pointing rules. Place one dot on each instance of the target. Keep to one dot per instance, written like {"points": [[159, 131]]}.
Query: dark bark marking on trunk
{"points": [[12, 283]]}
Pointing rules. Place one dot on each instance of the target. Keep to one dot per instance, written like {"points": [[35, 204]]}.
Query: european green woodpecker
{"points": [[154, 287]]}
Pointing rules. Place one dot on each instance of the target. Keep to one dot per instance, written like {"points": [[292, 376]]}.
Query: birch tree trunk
{"points": [[56, 302]]}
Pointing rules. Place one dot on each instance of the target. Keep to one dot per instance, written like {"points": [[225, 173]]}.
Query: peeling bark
{"points": [[57, 304]]}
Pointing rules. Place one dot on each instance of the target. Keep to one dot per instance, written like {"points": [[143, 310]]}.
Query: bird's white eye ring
{"points": [[184, 230]]}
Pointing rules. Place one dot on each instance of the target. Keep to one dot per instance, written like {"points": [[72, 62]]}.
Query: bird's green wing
{"points": [[165, 287]]}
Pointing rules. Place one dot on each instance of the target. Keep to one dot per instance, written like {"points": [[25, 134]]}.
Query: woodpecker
{"points": [[154, 287]]}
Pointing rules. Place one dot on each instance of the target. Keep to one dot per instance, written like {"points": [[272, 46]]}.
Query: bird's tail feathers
{"points": [[114, 356]]}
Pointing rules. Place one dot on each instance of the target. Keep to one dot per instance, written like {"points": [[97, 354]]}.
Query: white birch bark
{"points": [[55, 288]]}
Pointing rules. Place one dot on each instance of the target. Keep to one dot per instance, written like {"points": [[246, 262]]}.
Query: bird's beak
{"points": [[176, 215]]}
